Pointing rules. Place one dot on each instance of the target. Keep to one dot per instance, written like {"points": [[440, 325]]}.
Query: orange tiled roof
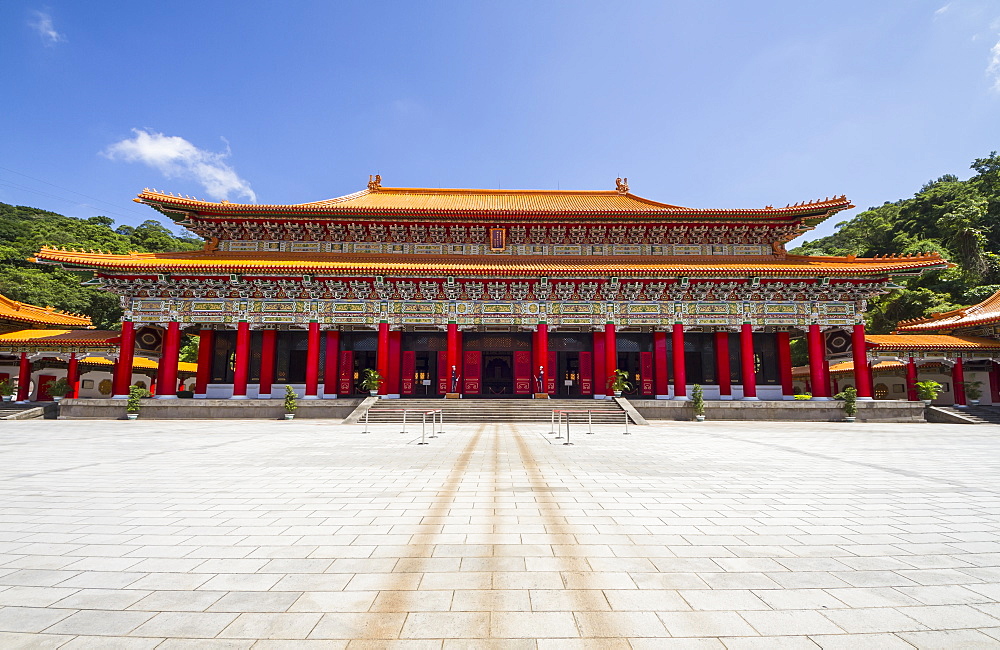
{"points": [[412, 265], [988, 311], [60, 338], [422, 200], [22, 312], [919, 342], [847, 367], [140, 362]]}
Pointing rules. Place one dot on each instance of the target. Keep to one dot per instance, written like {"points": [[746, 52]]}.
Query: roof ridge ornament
{"points": [[374, 183], [621, 184]]}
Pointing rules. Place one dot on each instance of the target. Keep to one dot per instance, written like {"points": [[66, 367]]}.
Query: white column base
{"points": [[112, 397], [866, 399], [391, 396], [750, 399], [662, 397], [680, 398], [310, 397], [239, 397], [600, 396], [788, 398], [334, 396], [726, 398], [820, 399], [164, 397], [200, 396]]}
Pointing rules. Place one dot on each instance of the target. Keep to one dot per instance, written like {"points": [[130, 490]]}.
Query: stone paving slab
{"points": [[239, 534]]}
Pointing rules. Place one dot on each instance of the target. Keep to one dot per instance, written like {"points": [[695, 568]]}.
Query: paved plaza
{"points": [[239, 534]]}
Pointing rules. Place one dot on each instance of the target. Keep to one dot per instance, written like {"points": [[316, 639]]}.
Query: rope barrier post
{"points": [[366, 421], [590, 421], [404, 421], [626, 425], [441, 421], [567, 430], [552, 422], [559, 428], [423, 426], [433, 426]]}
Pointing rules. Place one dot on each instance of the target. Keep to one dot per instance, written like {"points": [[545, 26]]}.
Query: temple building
{"points": [[492, 293]]}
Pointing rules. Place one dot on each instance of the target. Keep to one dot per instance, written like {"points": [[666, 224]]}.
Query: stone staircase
{"points": [[978, 414], [29, 411], [496, 410]]}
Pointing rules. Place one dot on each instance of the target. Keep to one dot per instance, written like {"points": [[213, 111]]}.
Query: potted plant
{"points": [[973, 391], [618, 381], [291, 402], [928, 391], [58, 388], [849, 396], [135, 393], [7, 390], [371, 381], [698, 402]]}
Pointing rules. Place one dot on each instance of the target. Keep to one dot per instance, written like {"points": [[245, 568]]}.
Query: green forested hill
{"points": [[24, 230], [959, 219]]}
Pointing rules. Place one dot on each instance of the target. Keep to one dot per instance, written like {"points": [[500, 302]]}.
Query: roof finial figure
{"points": [[374, 183], [621, 184]]}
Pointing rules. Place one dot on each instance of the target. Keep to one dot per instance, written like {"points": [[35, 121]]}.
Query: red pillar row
{"points": [[911, 380], [73, 377], [818, 378], [783, 342], [122, 377], [600, 372], [662, 386], [680, 367], [749, 363], [312, 362], [958, 382], [722, 368], [166, 372], [862, 372], [610, 357], [268, 348], [330, 369], [382, 355], [206, 346], [24, 379]]}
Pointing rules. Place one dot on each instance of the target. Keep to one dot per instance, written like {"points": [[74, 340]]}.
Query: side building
{"points": [[491, 293]]}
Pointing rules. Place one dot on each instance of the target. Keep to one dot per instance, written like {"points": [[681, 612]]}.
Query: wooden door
{"points": [[522, 373], [444, 373], [409, 368], [553, 370], [346, 372], [586, 373], [43, 388], [646, 373], [471, 371]]}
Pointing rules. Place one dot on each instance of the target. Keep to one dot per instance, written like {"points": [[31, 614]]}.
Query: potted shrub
{"points": [[698, 402], [619, 382], [849, 396], [7, 390], [291, 402], [135, 393], [371, 381], [928, 391], [973, 391], [58, 388]]}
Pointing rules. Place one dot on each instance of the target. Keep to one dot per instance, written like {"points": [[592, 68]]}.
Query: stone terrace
{"points": [[716, 535]]}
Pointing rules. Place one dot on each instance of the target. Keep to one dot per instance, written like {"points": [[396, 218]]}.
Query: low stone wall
{"points": [[798, 411], [205, 409]]}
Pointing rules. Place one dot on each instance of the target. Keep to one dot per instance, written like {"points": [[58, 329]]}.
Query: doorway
{"points": [[498, 374], [568, 377]]}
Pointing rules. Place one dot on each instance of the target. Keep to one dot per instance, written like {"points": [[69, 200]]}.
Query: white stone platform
{"points": [[232, 534]]}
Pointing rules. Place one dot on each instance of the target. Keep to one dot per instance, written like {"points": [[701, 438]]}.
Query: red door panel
{"points": [[553, 370], [586, 373], [471, 370], [600, 373], [646, 373], [43, 388], [346, 372], [522, 373], [409, 369], [444, 376]]}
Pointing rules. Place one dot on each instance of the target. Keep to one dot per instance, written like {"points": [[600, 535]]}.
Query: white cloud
{"points": [[175, 157], [993, 69], [42, 23], [942, 10]]}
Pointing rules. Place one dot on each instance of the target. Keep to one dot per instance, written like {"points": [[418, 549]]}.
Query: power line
{"points": [[23, 188], [66, 189]]}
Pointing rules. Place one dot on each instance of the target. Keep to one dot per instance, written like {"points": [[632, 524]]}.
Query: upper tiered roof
{"points": [[984, 313], [22, 312]]}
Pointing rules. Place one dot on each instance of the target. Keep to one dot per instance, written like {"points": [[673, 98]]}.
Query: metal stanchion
{"points": [[590, 421], [441, 421], [366, 421], [433, 426], [626, 425], [404, 421], [552, 422], [559, 428], [423, 427], [567, 430]]}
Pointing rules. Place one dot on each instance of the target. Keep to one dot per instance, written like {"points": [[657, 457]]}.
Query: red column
{"points": [[722, 369], [610, 357], [600, 373], [392, 380], [783, 341], [748, 361], [662, 386], [911, 380], [680, 368], [862, 373], [268, 346], [73, 376], [542, 361], [994, 383], [241, 362], [166, 372], [312, 362], [122, 377], [24, 379], [382, 356], [818, 379], [453, 355], [958, 382], [206, 348], [330, 367]]}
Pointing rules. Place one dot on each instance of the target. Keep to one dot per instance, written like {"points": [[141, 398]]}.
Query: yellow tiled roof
{"points": [[60, 338], [929, 342], [22, 312], [988, 311], [447, 200], [415, 265], [141, 362], [845, 367]]}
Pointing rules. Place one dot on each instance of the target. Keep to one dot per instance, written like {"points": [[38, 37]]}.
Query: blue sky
{"points": [[702, 104]]}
